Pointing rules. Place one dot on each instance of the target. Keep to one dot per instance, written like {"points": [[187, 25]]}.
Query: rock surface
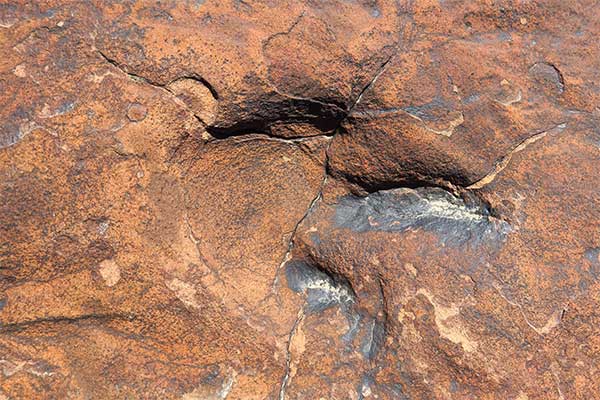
{"points": [[339, 199]]}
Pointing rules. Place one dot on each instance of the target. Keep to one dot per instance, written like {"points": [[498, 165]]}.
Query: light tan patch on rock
{"points": [[20, 71], [409, 267], [109, 271], [447, 130], [184, 292], [522, 396], [10, 368], [297, 347], [450, 330]]}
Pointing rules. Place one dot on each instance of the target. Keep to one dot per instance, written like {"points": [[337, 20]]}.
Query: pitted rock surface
{"points": [[370, 199]]}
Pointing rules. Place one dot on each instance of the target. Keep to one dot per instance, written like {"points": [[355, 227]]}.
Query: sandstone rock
{"points": [[299, 200]]}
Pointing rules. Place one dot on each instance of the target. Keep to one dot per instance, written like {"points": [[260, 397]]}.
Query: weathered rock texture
{"points": [[351, 199]]}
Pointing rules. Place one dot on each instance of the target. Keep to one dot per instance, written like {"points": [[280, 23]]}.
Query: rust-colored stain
{"points": [[289, 200]]}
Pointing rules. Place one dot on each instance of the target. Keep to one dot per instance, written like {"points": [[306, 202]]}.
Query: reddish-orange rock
{"points": [[299, 200]]}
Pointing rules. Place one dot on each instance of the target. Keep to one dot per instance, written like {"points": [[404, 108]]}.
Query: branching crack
{"points": [[319, 195]]}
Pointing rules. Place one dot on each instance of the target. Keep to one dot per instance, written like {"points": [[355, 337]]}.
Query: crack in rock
{"points": [[504, 161], [380, 72], [140, 78], [165, 87], [288, 366], [311, 206], [554, 320]]}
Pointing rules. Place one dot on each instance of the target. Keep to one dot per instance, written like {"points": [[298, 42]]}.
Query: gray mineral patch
{"points": [[430, 209], [372, 340], [321, 290]]}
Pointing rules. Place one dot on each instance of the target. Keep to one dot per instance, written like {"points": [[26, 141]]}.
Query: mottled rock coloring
{"points": [[298, 200]]}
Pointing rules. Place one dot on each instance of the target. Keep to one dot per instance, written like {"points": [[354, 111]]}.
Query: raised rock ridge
{"points": [[339, 199]]}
